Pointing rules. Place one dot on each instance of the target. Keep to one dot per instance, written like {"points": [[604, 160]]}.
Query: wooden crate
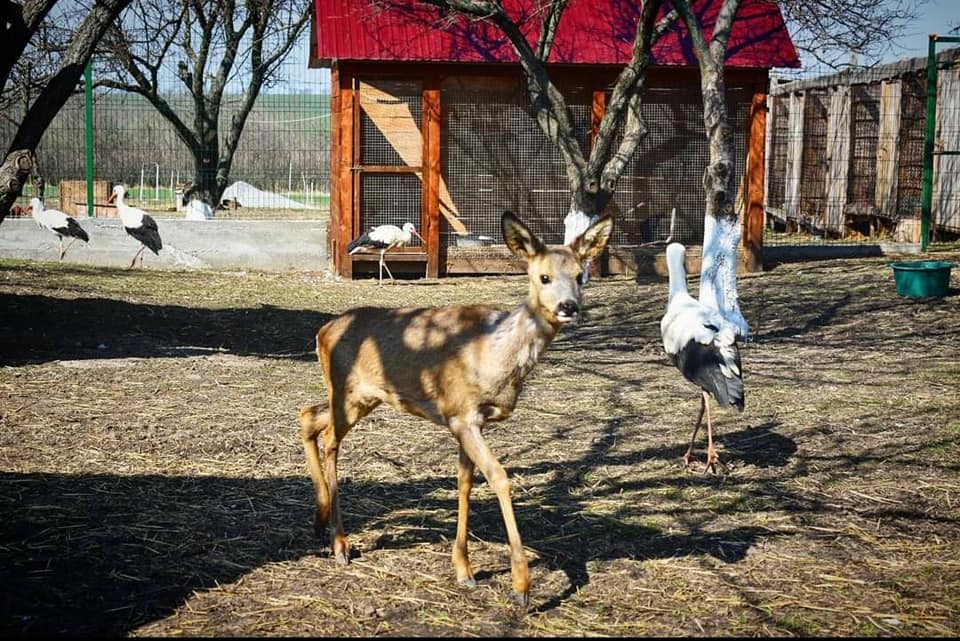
{"points": [[73, 198]]}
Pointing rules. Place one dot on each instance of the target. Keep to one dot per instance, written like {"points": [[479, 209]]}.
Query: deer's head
{"points": [[555, 273]]}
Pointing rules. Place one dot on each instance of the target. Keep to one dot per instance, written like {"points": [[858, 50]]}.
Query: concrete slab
{"points": [[268, 245]]}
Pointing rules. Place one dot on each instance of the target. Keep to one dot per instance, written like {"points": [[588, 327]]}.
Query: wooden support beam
{"points": [[753, 217], [430, 205], [349, 218], [839, 144], [791, 200], [888, 147], [336, 149]]}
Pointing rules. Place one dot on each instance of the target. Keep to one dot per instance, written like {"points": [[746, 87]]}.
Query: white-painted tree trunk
{"points": [[575, 223], [718, 270]]}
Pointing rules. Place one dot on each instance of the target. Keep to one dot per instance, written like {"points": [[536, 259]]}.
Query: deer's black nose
{"points": [[568, 308]]}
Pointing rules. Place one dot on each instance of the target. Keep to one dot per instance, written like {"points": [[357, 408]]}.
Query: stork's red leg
{"points": [[686, 457], [713, 459], [140, 254], [69, 245]]}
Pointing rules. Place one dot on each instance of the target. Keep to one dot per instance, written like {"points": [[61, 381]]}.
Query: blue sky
{"points": [[936, 16]]}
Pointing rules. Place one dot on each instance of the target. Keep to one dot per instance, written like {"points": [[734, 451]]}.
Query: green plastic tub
{"points": [[919, 278]]}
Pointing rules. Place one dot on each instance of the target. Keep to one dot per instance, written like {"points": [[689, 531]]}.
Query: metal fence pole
{"points": [[88, 109], [926, 196]]}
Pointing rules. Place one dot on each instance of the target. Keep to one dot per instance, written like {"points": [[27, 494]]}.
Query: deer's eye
{"points": [[544, 279]]}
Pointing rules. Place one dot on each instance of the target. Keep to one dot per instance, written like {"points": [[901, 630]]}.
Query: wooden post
{"points": [[430, 204], [946, 185], [888, 148], [791, 200], [348, 222], [753, 212], [336, 149], [838, 156]]}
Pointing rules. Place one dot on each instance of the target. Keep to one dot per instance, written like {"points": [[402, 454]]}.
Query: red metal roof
{"points": [[591, 32]]}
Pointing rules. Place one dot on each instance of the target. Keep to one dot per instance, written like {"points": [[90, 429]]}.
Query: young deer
{"points": [[455, 366]]}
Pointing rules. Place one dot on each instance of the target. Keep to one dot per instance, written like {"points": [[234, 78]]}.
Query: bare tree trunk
{"points": [[54, 95], [592, 180], [19, 166], [18, 23], [721, 225]]}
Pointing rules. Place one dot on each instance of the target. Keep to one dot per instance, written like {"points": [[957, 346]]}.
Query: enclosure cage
{"points": [[449, 151], [847, 155]]}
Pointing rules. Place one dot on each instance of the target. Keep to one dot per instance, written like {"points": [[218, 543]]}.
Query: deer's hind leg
{"points": [[314, 421], [331, 422], [461, 558]]}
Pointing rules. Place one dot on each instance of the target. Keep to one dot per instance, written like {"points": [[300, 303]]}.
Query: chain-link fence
{"points": [[280, 169]]}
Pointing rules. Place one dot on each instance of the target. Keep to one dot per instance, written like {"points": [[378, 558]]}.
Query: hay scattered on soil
{"points": [[154, 482]]}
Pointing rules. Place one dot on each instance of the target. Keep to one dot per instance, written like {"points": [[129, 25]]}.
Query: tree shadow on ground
{"points": [[36, 329], [105, 554], [95, 555]]}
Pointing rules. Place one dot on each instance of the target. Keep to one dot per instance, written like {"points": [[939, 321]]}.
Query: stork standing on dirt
{"points": [[138, 224], [703, 346], [384, 237], [57, 222]]}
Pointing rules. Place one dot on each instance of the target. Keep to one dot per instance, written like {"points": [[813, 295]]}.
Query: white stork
{"points": [[703, 346], [57, 222], [383, 237], [138, 224]]}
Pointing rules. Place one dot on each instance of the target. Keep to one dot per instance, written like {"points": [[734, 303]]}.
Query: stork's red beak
{"points": [[112, 197], [417, 234]]}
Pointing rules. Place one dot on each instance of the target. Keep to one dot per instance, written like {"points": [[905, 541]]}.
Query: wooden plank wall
{"points": [[791, 200], [888, 147], [899, 84], [946, 185], [838, 156]]}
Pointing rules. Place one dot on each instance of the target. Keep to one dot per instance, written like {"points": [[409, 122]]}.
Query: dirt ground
{"points": [[152, 481]]}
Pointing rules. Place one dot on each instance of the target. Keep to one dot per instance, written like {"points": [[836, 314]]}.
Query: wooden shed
{"points": [[431, 125]]}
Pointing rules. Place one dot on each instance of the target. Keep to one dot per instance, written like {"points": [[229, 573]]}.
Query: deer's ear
{"points": [[521, 241], [592, 242]]}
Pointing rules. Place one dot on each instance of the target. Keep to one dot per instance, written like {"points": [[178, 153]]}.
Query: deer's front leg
{"points": [[468, 433], [338, 540], [461, 559]]}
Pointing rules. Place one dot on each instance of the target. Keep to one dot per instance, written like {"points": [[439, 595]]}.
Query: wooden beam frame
{"points": [[430, 207], [753, 216]]}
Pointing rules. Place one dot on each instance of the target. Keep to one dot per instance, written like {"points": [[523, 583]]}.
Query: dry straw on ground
{"points": [[153, 482]]}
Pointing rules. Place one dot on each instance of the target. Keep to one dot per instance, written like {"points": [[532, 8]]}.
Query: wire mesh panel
{"points": [[813, 168], [865, 125], [390, 199], [666, 171], [495, 157], [777, 172], [910, 159]]}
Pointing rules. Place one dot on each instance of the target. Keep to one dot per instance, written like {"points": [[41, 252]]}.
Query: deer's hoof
{"points": [[522, 598], [343, 558], [469, 582]]}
